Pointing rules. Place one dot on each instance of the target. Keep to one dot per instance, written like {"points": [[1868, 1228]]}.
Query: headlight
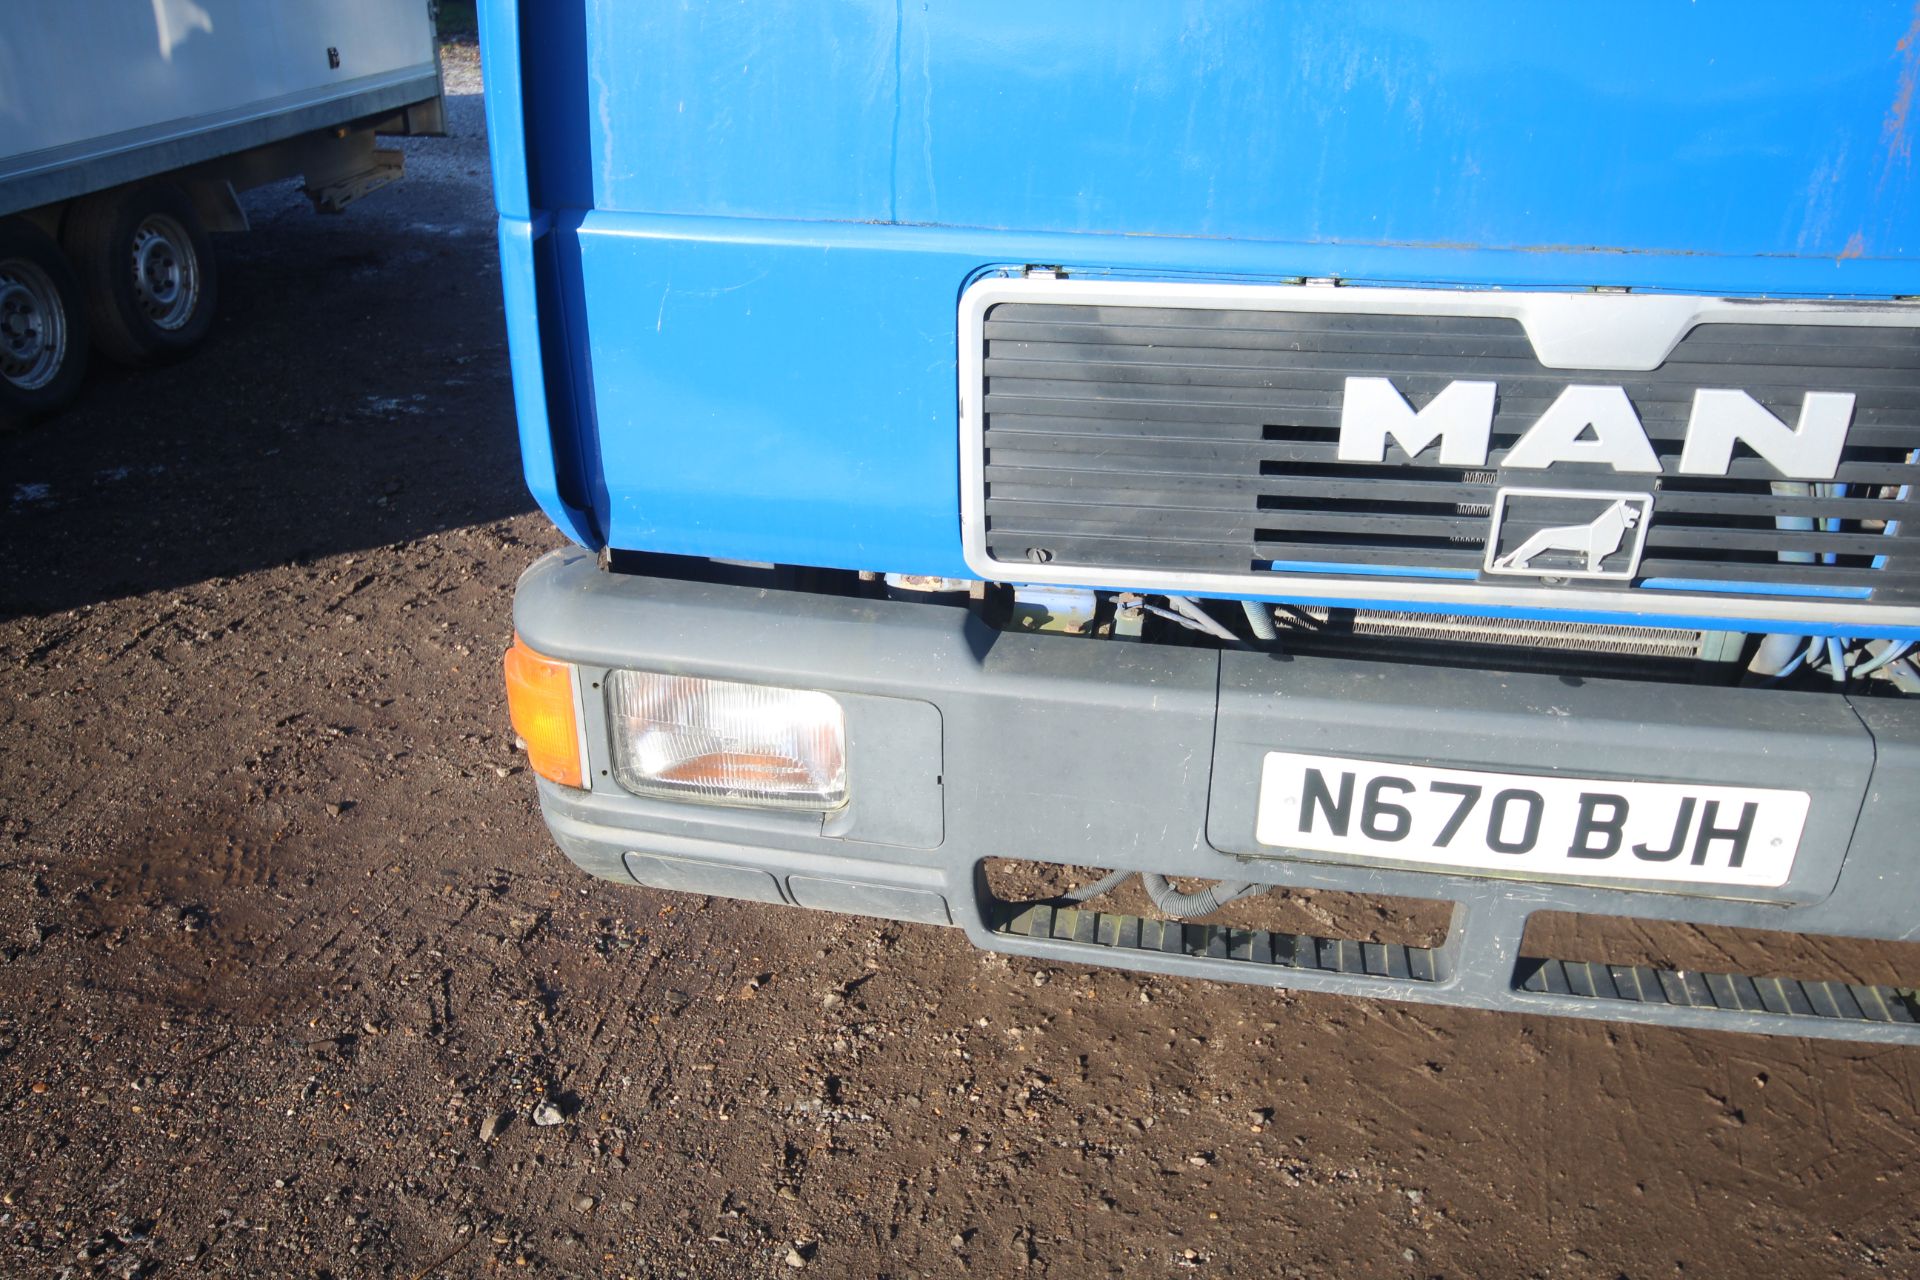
{"points": [[686, 738]]}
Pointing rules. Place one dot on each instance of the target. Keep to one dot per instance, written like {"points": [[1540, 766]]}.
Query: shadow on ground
{"points": [[355, 393]]}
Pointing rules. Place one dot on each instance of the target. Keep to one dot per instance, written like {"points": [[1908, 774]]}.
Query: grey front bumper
{"points": [[967, 743]]}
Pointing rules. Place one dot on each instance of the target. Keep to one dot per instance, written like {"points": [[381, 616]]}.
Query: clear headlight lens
{"points": [[687, 738]]}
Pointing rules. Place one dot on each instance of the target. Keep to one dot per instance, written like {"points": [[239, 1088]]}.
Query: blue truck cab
{"points": [[1453, 452]]}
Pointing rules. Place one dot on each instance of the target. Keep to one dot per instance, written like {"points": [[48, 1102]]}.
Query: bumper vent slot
{"points": [[1733, 1000], [1510, 643], [1725, 992], [1121, 932], [1520, 633]]}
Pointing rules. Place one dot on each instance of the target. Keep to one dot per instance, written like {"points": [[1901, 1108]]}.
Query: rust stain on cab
{"points": [[1895, 140]]}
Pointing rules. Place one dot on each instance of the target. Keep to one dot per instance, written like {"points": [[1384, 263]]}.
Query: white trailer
{"points": [[128, 126]]}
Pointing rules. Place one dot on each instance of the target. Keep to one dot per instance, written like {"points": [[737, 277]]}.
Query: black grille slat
{"points": [[1159, 369], [1181, 318], [1771, 540], [1678, 501], [1302, 367], [1207, 440], [1870, 440], [1171, 523], [1369, 522], [1097, 342], [1042, 484], [1173, 455], [1875, 427]]}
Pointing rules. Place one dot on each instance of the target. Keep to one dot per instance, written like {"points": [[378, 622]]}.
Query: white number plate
{"points": [[1524, 825]]}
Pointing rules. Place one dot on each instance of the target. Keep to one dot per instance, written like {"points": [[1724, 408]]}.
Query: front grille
{"points": [[1184, 439]]}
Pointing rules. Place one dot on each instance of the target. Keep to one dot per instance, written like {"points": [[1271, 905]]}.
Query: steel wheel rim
{"points": [[33, 326], [166, 272]]}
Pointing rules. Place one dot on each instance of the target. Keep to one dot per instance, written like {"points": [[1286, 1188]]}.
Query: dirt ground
{"points": [[291, 963]]}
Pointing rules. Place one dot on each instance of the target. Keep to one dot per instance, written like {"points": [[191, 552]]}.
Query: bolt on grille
{"points": [[1188, 439]]}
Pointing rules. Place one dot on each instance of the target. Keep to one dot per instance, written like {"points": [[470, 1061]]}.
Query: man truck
{"points": [[1460, 453]]}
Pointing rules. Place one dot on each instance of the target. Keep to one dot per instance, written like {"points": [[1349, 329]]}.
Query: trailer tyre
{"points": [[43, 325], [147, 266]]}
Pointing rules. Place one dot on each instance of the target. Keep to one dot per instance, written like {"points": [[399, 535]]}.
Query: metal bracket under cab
{"points": [[1704, 459]]}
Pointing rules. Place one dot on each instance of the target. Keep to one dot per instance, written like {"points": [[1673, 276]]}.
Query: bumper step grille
{"points": [[1108, 936], [1219, 942], [1732, 992]]}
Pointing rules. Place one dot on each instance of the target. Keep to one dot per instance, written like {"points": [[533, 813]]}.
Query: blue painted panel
{"points": [[1724, 126], [789, 402], [518, 239], [752, 110], [506, 125]]}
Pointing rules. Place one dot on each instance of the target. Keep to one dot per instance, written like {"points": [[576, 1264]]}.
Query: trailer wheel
{"points": [[43, 325], [147, 266]]}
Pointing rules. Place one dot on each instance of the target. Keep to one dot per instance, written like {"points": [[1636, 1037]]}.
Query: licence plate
{"points": [[1525, 825]]}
